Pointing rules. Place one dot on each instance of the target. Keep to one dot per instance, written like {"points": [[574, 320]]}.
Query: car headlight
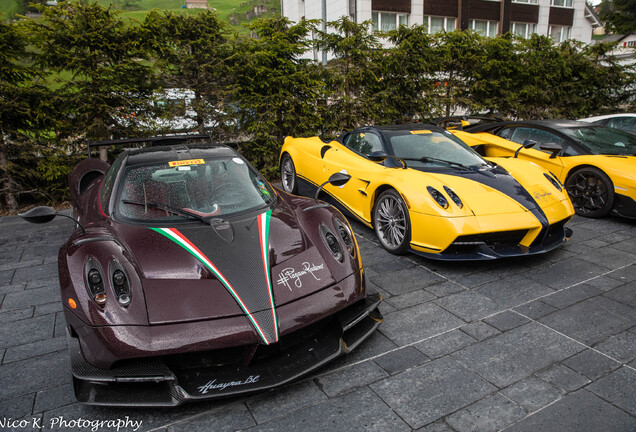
{"points": [[438, 197], [345, 235], [94, 282], [453, 196], [332, 242], [121, 284]]}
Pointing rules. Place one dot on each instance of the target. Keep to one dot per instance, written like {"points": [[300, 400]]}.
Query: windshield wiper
{"points": [[170, 209], [433, 159]]}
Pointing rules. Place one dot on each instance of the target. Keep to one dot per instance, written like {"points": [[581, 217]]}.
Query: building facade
{"points": [[560, 19]]}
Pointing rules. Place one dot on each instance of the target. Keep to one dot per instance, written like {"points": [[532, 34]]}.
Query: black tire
{"points": [[591, 192], [391, 222], [288, 176]]}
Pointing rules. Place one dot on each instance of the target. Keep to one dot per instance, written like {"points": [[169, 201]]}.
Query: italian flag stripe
{"points": [[263, 230], [174, 235]]}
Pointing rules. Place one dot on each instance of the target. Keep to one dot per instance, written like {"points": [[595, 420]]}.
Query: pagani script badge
{"points": [[291, 275], [213, 385]]}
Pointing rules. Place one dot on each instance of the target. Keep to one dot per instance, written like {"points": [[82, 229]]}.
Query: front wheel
{"points": [[288, 175], [591, 192], [391, 222]]}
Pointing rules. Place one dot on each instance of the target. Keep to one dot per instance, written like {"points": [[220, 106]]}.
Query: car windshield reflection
{"points": [[196, 189]]}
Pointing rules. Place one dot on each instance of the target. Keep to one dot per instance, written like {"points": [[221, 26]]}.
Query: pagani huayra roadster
{"points": [[423, 189], [189, 277], [596, 163]]}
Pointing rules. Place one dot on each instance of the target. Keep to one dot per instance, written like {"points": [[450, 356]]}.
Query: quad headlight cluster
{"points": [[441, 200], [336, 246], [96, 286]]}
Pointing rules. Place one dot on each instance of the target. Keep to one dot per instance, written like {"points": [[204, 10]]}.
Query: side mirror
{"points": [[336, 179], [377, 156], [44, 214], [526, 144], [551, 147]]}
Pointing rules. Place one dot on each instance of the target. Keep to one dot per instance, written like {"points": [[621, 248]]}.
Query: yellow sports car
{"points": [[597, 164], [423, 189]]}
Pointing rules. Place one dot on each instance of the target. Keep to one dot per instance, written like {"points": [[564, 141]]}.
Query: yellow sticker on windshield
{"points": [[421, 132], [186, 162]]}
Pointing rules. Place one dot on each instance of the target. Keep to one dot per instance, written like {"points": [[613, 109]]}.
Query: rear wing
{"points": [[461, 122], [155, 141]]}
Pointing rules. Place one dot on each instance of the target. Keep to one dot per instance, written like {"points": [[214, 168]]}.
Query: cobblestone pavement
{"points": [[546, 343]]}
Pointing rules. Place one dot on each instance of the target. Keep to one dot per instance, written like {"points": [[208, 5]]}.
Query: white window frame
{"points": [[564, 3], [531, 28], [446, 27], [376, 19], [565, 33], [526, 1], [489, 25]]}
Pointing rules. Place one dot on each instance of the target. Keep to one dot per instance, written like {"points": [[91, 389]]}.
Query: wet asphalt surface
{"points": [[542, 343]]}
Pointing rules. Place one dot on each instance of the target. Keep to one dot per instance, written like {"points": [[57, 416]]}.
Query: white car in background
{"points": [[626, 122]]}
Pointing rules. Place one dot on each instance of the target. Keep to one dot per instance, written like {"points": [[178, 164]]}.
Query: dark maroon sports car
{"points": [[190, 277]]}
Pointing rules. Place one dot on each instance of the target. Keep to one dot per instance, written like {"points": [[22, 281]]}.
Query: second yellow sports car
{"points": [[423, 189], [597, 164]]}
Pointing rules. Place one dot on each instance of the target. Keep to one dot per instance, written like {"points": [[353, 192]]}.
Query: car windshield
{"points": [[604, 140], [426, 148], [201, 189]]}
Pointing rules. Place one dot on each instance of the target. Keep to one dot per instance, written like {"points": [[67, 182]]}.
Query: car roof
{"points": [[177, 152]]}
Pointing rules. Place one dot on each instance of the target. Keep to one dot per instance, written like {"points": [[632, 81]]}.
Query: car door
{"points": [[352, 158], [521, 134]]}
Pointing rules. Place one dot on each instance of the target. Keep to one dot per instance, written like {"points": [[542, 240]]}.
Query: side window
{"points": [[364, 143], [109, 183], [522, 134], [625, 123], [506, 133]]}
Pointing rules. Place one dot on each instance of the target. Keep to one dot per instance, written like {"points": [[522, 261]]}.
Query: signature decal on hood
{"points": [[213, 385], [196, 242], [290, 274]]}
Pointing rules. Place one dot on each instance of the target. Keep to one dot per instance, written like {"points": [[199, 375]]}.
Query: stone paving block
{"points": [[480, 330], [44, 271], [418, 322], [564, 378], [610, 258], [592, 320], [34, 374], [431, 391], [60, 325], [532, 393], [401, 360], [505, 320], [444, 289], [628, 245], [477, 279], [27, 330], [604, 283], [388, 266], [49, 308], [6, 276], [16, 315], [535, 309], [570, 296], [625, 294], [12, 288], [407, 280], [17, 407], [581, 412], [469, 306], [358, 411], [21, 264], [625, 275], [53, 284], [517, 354], [34, 349], [445, 344], [514, 290], [228, 419], [349, 378], [621, 347], [566, 273], [591, 364], [436, 427], [54, 398], [23, 299], [281, 402], [489, 414], [410, 299], [618, 388]]}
